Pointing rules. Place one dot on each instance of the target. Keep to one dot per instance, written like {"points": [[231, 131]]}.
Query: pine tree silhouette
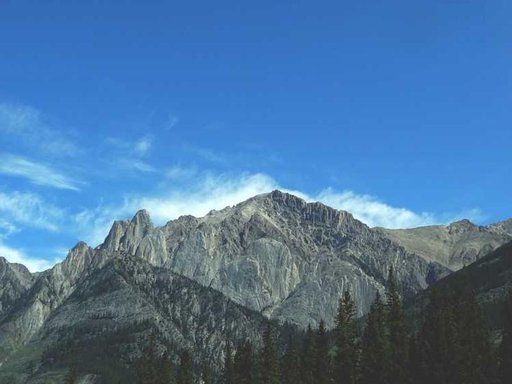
{"points": [[345, 363]]}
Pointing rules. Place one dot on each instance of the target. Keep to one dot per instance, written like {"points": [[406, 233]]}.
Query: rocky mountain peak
{"points": [[142, 219], [288, 205], [462, 226], [80, 247], [503, 227], [15, 280], [5, 266], [139, 226], [78, 258], [114, 236], [124, 231], [280, 199]]}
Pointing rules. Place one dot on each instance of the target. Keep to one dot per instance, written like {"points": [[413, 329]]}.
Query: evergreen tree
{"points": [[153, 368], [454, 340], [269, 360], [227, 373], [475, 355], [374, 349], [505, 351], [243, 364], [321, 359], [71, 376], [397, 333], [414, 362], [345, 363], [147, 367], [438, 340], [308, 357], [165, 369], [291, 364], [206, 376], [185, 371]]}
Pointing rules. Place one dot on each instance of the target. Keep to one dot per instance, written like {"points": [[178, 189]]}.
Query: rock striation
{"points": [[276, 254], [198, 282], [107, 317], [15, 280]]}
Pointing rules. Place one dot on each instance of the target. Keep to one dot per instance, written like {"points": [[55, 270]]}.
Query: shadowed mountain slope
{"points": [[107, 318]]}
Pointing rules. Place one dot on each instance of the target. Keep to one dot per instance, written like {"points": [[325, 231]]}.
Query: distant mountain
{"points": [[491, 279], [278, 255], [455, 245], [197, 282], [503, 227], [104, 318]]}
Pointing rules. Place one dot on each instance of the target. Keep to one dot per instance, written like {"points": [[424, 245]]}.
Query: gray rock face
{"points": [[15, 280], [276, 254], [196, 280], [45, 293], [455, 245], [503, 227], [109, 314]]}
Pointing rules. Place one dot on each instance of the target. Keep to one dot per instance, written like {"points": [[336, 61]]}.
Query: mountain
{"points": [[503, 227], [15, 280], [278, 255], [490, 278], [104, 318], [197, 282], [454, 245]]}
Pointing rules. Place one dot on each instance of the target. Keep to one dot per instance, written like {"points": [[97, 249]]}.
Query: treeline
{"points": [[450, 346]]}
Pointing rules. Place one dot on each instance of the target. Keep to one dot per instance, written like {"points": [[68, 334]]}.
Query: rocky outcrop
{"points": [[276, 254], [107, 319], [15, 280], [454, 245], [200, 281], [503, 227]]}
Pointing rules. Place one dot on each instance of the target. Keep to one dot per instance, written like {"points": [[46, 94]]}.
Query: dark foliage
{"points": [[345, 362], [505, 352]]}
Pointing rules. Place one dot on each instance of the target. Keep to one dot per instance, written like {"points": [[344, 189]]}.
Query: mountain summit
{"points": [[221, 276], [276, 254]]}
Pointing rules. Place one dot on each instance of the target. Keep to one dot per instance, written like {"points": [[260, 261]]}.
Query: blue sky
{"points": [[397, 111]]}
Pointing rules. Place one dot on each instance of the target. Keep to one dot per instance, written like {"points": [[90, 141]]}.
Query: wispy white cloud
{"points": [[92, 225], [19, 211], [374, 212], [137, 148], [19, 256], [6, 228], [172, 121], [129, 155], [137, 165], [143, 146], [28, 210], [26, 125], [210, 191], [37, 173], [206, 154], [179, 172]]}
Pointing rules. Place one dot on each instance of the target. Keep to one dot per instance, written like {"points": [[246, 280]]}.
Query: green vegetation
{"points": [[451, 346]]}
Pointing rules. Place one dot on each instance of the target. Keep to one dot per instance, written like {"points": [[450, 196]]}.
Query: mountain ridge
{"points": [[265, 252], [274, 255]]}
